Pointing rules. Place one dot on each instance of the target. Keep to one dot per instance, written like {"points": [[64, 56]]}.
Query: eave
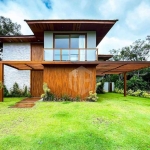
{"points": [[101, 27], [20, 39]]}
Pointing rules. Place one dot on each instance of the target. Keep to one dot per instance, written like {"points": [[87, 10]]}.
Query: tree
{"points": [[138, 51], [7, 27]]}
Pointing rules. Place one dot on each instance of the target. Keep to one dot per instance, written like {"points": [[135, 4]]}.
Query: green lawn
{"points": [[114, 122]]}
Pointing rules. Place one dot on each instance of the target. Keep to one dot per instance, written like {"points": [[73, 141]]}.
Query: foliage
{"points": [[1, 85], [119, 84], [6, 92], [47, 96], [7, 27], [92, 97], [138, 93], [100, 85], [15, 91], [138, 51], [111, 78], [118, 90], [134, 83]]}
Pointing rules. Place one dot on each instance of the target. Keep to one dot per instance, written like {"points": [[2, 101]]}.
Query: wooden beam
{"points": [[1, 80], [125, 84]]}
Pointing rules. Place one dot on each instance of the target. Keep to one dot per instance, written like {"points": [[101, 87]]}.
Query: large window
{"points": [[72, 42], [61, 41], [70, 47], [69, 41]]}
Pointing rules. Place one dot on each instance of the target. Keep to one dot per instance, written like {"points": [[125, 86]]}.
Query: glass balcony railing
{"points": [[89, 54]]}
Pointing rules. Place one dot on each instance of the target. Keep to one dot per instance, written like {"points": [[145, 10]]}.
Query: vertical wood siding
{"points": [[36, 75], [73, 80], [1, 79], [36, 83], [37, 52]]}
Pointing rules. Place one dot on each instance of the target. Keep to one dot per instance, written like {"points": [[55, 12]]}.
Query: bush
{"points": [[47, 96], [134, 83], [6, 92], [15, 91], [100, 87], [138, 93], [92, 97]]}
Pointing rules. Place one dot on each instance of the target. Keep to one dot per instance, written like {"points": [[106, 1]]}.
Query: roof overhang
{"points": [[19, 39], [119, 67], [102, 67], [39, 65], [100, 26]]}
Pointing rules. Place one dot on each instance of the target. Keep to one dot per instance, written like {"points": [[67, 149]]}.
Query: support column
{"points": [[125, 84], [1, 80]]}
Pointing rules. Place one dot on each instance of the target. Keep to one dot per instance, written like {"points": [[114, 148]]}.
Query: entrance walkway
{"points": [[26, 103]]}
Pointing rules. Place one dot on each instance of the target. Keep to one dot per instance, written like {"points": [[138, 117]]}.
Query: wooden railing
{"points": [[88, 54]]}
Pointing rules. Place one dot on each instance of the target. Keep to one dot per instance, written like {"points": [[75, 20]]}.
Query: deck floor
{"points": [[26, 103]]}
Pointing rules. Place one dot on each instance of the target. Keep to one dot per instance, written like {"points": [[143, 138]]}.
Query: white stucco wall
{"points": [[16, 51], [91, 39], [48, 39]]}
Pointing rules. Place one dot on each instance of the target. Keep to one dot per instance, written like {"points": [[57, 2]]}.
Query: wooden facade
{"points": [[36, 75], [36, 83], [73, 80], [1, 80]]}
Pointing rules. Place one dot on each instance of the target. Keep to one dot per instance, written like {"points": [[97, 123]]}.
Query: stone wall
{"points": [[16, 51]]}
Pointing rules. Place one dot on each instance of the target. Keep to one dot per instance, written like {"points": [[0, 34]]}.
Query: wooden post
{"points": [[125, 84], [1, 80]]}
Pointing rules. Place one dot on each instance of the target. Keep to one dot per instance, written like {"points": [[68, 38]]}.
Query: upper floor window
{"points": [[68, 41]]}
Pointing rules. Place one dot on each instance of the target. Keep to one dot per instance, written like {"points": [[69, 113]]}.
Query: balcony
{"points": [[89, 54]]}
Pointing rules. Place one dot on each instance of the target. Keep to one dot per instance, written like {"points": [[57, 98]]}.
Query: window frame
{"points": [[54, 34]]}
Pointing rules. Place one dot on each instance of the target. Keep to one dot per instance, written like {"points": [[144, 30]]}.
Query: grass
{"points": [[113, 123]]}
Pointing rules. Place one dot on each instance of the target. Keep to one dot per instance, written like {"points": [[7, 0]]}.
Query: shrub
{"points": [[92, 97], [130, 92], [6, 92], [47, 96], [15, 91], [134, 83]]}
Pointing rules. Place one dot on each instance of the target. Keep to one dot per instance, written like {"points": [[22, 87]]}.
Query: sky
{"points": [[133, 16]]}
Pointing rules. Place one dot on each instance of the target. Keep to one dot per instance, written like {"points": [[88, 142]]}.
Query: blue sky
{"points": [[133, 15]]}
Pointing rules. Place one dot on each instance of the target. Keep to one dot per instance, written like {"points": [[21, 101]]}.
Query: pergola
{"points": [[102, 67], [120, 67]]}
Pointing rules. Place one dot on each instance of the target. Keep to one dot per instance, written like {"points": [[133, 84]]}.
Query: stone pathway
{"points": [[26, 103]]}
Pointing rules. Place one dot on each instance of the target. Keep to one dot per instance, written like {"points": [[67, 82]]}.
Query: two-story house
{"points": [[61, 53]]}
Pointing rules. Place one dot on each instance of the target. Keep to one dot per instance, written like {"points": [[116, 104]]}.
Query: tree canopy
{"points": [[138, 51], [7, 27]]}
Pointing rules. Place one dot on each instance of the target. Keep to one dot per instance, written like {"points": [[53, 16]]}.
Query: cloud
{"points": [[138, 19], [110, 43]]}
